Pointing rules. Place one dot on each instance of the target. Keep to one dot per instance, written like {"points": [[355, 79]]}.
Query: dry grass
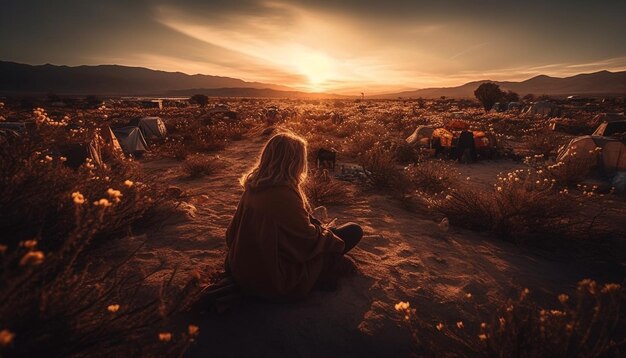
{"points": [[431, 176], [322, 189], [56, 299], [587, 325], [199, 165], [523, 206]]}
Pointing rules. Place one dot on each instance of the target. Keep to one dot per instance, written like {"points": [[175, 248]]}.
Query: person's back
{"points": [[276, 249]]}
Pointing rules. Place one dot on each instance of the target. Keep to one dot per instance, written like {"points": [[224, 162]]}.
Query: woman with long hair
{"points": [[276, 248]]}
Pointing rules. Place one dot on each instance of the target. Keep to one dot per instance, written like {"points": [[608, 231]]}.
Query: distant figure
{"points": [[276, 249], [326, 159], [466, 148]]}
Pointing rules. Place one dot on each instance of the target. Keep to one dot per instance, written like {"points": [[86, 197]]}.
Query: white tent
{"points": [[421, 136], [131, 140], [544, 109], [151, 127], [610, 157]]}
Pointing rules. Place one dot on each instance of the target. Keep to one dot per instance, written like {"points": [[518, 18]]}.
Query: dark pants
{"points": [[350, 233]]}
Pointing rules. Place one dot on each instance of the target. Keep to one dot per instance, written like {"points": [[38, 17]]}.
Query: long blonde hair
{"points": [[283, 161]]}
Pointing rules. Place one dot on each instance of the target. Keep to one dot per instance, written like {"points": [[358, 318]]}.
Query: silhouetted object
{"points": [[326, 158], [131, 140], [199, 99], [277, 255], [466, 148], [488, 94], [151, 127]]}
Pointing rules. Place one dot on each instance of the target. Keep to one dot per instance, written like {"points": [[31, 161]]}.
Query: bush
{"points": [[198, 165], [590, 326], [431, 176], [380, 168], [574, 168], [55, 300], [523, 205], [322, 189]]}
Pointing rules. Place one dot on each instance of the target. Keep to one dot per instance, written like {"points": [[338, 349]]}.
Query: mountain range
{"points": [[602, 83], [16, 78], [115, 80]]}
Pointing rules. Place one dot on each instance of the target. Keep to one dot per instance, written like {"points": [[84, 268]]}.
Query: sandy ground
{"points": [[402, 257]]}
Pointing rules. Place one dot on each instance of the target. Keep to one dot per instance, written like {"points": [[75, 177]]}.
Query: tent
{"points": [[110, 141], [608, 117], [151, 127], [514, 106], [76, 154], [544, 109], [131, 140], [611, 156], [421, 136], [611, 128]]}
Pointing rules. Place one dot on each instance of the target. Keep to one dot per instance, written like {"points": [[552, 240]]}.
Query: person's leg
{"points": [[350, 233]]}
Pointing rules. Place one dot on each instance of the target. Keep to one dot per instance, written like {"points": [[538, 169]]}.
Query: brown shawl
{"points": [[274, 251]]}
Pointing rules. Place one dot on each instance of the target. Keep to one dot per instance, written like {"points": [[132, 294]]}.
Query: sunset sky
{"points": [[344, 46]]}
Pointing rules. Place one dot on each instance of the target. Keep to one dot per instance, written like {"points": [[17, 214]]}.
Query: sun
{"points": [[317, 67]]}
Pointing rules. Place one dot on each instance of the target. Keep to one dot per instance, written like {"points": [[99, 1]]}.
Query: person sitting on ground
{"points": [[276, 249]]}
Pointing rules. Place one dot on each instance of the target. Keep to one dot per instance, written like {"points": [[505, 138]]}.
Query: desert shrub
{"points": [[431, 176], [544, 142], [380, 168], [524, 205], [199, 165], [589, 325], [55, 299], [574, 168], [322, 189]]}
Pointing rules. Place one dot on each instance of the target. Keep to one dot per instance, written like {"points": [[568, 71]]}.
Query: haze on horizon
{"points": [[322, 45]]}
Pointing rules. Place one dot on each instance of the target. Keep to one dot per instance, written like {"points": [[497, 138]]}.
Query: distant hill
{"points": [[252, 92], [590, 84], [16, 78]]}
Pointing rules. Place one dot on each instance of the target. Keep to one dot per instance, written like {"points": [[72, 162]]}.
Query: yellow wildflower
{"points": [[165, 336], [459, 325], [32, 258], [439, 326], [114, 194], [402, 306], [482, 337], [6, 337], [611, 287], [29, 244], [193, 330], [128, 183], [78, 198], [113, 308], [563, 298], [102, 202]]}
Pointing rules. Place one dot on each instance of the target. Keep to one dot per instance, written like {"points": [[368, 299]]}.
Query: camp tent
{"points": [[151, 127], [544, 109], [131, 140], [77, 154], [610, 157], [611, 126], [110, 140], [421, 136], [514, 106], [608, 117]]}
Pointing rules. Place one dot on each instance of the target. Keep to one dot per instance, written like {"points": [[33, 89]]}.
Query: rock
{"points": [[174, 192]]}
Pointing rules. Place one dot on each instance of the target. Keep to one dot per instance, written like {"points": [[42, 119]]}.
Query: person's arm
{"points": [[300, 239]]}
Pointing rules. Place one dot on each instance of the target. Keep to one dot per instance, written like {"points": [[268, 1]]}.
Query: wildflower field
{"points": [[517, 254]]}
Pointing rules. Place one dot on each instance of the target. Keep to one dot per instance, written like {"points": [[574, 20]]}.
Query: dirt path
{"points": [[402, 257]]}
